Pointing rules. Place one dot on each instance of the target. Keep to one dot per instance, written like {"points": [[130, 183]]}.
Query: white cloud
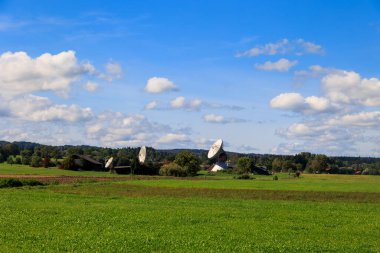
{"points": [[35, 108], [219, 119], [213, 118], [21, 74], [172, 138], [91, 86], [151, 105], [342, 121], [284, 46], [295, 102], [159, 85], [181, 103], [362, 119], [195, 104], [348, 87], [282, 65], [310, 47], [288, 101], [178, 102]]}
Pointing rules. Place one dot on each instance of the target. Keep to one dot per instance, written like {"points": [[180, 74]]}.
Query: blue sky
{"points": [[265, 76]]}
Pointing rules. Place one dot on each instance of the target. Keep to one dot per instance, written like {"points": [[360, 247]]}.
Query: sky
{"points": [[278, 77]]}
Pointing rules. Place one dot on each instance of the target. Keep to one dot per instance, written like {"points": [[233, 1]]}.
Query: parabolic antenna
{"points": [[142, 155], [215, 149], [109, 162]]}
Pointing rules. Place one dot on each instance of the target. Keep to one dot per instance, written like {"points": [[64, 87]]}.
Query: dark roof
{"points": [[88, 159]]}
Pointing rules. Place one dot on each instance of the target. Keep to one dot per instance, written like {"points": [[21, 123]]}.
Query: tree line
{"points": [[37, 155]]}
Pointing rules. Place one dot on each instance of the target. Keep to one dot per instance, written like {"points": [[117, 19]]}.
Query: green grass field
{"points": [[315, 213]]}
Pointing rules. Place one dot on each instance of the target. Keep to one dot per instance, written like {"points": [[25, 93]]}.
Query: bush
{"points": [[173, 169], [11, 182], [275, 177], [244, 176], [370, 171]]}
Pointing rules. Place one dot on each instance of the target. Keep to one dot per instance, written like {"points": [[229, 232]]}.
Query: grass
{"points": [[315, 213], [17, 169], [308, 182], [55, 219]]}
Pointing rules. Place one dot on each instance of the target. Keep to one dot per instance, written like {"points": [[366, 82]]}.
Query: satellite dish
{"points": [[108, 163], [142, 155], [216, 151]]}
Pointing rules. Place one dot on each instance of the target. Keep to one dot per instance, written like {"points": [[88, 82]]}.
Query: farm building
{"points": [[83, 162]]}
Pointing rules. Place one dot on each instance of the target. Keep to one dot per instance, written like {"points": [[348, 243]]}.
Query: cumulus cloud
{"points": [[21, 74], [195, 104], [178, 102], [115, 129], [159, 85], [181, 103], [172, 138], [213, 118], [36, 108], [295, 102], [361, 119], [151, 105], [284, 46], [344, 118], [348, 87], [282, 65]]}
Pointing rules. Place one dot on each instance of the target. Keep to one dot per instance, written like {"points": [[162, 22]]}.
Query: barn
{"points": [[83, 162]]}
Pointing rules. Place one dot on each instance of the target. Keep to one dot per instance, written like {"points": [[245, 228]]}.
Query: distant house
{"points": [[260, 170], [83, 162]]}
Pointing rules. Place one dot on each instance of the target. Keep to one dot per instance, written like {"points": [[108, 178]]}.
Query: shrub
{"points": [[173, 169], [244, 176], [275, 177], [370, 171], [11, 182]]}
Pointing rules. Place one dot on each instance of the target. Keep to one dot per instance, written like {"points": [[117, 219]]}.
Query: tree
{"points": [[10, 160], [11, 149], [245, 165], [68, 163], [188, 161], [319, 163], [277, 164], [26, 155], [36, 161]]}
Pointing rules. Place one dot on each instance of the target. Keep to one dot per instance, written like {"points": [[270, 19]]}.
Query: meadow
{"points": [[314, 213]]}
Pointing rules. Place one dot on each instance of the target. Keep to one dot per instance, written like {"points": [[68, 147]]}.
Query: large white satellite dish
{"points": [[142, 155], [216, 151], [109, 163]]}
